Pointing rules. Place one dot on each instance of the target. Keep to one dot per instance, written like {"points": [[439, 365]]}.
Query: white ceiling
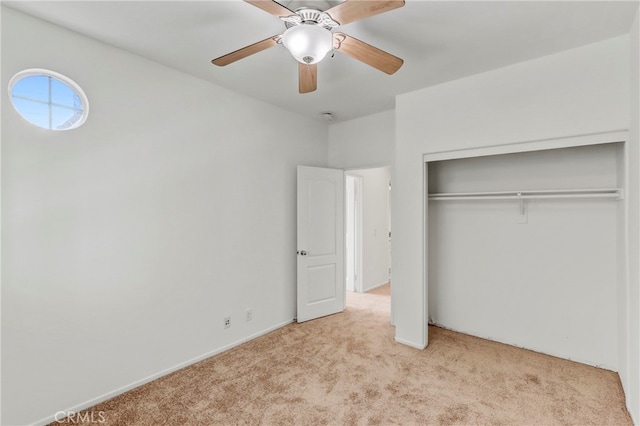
{"points": [[438, 40]]}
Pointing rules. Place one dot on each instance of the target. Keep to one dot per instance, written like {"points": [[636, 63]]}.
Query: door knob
{"points": [[303, 253]]}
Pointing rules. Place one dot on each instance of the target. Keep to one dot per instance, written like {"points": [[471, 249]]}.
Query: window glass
{"points": [[34, 87], [64, 95], [48, 99]]}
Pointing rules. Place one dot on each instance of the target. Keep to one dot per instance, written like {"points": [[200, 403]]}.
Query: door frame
{"points": [[357, 217], [389, 212]]}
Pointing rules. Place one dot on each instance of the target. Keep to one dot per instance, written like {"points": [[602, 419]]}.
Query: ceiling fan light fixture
{"points": [[308, 43]]}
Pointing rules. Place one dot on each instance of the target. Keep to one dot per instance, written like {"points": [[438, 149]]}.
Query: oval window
{"points": [[48, 99]]}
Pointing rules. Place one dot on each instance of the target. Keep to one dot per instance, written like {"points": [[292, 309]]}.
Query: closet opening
{"points": [[523, 248]]}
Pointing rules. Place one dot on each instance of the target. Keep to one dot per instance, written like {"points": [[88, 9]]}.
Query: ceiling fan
{"points": [[309, 37]]}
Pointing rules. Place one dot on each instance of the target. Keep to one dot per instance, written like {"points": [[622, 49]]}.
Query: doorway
{"points": [[368, 232]]}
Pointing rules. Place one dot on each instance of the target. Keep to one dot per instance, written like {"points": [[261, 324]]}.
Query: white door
{"points": [[320, 252]]}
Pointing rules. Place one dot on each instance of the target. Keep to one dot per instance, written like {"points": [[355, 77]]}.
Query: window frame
{"points": [[31, 72]]}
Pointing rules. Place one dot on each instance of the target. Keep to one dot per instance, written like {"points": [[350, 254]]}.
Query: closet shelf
{"points": [[612, 193]]}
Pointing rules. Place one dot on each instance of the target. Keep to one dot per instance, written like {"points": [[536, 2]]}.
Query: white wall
{"points": [[548, 284], [375, 226], [125, 242], [630, 374], [576, 92], [363, 142]]}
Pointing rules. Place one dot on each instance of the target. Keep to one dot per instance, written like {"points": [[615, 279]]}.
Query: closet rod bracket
{"points": [[522, 217]]}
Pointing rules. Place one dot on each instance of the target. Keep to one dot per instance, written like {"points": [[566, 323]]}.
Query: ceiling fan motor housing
{"points": [[309, 16]]}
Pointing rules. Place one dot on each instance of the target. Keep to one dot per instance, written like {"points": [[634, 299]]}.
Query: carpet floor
{"points": [[346, 369]]}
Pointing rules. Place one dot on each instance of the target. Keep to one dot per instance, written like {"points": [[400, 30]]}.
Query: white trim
{"points": [[60, 77], [359, 216], [358, 187], [425, 253], [624, 369], [599, 138], [376, 286], [137, 383], [411, 344], [504, 342]]}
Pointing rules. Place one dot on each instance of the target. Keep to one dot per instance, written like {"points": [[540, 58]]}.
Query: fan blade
{"points": [[366, 53], [354, 10], [272, 7], [245, 51], [307, 77]]}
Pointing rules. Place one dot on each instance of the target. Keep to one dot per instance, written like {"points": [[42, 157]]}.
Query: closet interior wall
{"points": [[539, 274]]}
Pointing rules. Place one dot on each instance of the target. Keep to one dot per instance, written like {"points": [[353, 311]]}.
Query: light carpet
{"points": [[346, 369]]}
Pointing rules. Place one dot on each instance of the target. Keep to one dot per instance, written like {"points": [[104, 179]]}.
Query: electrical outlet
{"points": [[248, 314], [227, 322]]}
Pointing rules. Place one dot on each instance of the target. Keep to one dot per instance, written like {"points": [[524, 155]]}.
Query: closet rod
{"points": [[612, 193]]}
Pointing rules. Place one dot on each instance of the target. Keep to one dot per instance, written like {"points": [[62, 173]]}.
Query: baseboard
{"points": [[630, 406], [123, 389], [375, 286], [411, 344], [567, 357]]}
